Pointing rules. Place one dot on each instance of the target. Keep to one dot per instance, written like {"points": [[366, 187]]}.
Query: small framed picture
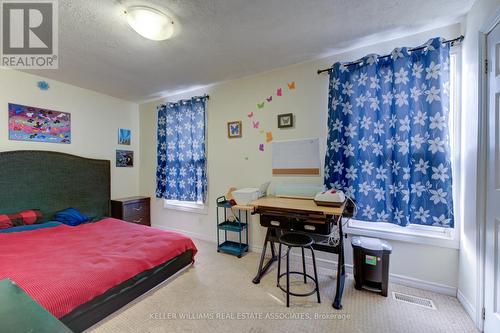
{"points": [[285, 120], [124, 136], [234, 129], [124, 158]]}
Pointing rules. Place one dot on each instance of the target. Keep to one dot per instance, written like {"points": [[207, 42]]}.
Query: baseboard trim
{"points": [[195, 235], [424, 285], [469, 308], [326, 266]]}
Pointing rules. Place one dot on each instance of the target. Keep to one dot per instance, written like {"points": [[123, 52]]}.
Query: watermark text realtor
{"points": [[29, 34]]}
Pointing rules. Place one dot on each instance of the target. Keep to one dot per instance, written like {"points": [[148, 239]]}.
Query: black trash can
{"points": [[371, 263]]}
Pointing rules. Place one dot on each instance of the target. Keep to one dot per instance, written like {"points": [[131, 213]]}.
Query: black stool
{"points": [[293, 239]]}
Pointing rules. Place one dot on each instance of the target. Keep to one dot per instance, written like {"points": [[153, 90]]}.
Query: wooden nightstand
{"points": [[132, 209]]}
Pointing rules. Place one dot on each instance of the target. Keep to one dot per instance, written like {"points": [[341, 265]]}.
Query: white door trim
{"points": [[489, 25]]}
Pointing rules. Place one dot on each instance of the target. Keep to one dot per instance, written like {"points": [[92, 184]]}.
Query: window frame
{"points": [[186, 206], [417, 233]]}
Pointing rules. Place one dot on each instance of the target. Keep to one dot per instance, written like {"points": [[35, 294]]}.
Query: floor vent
{"points": [[410, 299]]}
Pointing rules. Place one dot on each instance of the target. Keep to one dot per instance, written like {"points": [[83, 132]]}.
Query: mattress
{"points": [[63, 268]]}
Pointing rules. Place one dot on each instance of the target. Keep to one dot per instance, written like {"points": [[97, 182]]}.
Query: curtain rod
{"points": [[450, 41]]}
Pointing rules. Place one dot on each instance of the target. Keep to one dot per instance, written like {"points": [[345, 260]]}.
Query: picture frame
{"points": [[285, 120], [234, 129], [30, 123], [124, 158], [124, 136]]}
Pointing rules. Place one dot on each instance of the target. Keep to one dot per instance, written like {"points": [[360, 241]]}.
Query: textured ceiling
{"points": [[217, 40]]}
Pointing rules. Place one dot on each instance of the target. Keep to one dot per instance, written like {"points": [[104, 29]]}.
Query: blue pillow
{"points": [[71, 216], [30, 227]]}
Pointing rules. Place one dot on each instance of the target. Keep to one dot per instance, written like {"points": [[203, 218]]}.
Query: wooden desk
{"points": [[279, 215], [292, 204]]}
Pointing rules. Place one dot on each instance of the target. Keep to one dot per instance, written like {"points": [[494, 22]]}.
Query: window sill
{"points": [[186, 206], [433, 236]]}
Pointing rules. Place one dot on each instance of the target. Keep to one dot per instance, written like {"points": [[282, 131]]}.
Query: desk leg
{"points": [[263, 268], [340, 275]]}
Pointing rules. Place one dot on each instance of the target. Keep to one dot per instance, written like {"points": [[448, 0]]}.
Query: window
{"points": [[181, 173], [186, 206], [423, 234]]}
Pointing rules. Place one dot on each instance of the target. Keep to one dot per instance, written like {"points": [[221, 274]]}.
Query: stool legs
{"points": [[304, 265], [305, 275], [315, 274], [279, 265], [288, 278]]}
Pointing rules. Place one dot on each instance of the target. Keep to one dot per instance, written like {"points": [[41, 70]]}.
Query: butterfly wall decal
{"points": [[291, 85], [269, 136], [279, 92], [269, 99], [43, 85], [260, 105], [250, 114], [256, 124], [261, 147]]}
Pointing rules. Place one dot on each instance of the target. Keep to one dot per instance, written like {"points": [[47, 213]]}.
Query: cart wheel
{"points": [[239, 255], [218, 251]]}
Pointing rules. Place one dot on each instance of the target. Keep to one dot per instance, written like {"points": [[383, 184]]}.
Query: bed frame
{"points": [[51, 181]]}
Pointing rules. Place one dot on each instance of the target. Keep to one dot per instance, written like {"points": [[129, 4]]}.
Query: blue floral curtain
{"points": [[181, 172], [388, 140]]}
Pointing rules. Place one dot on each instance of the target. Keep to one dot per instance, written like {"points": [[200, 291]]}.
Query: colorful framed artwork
{"points": [[234, 129], [124, 136], [124, 158], [29, 123], [285, 120]]}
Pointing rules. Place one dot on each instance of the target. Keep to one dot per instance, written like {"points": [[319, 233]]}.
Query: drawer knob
{"points": [[309, 227], [137, 221], [275, 223], [137, 209]]}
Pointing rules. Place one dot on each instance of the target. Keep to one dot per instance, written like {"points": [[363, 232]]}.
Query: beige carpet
{"points": [[217, 295]]}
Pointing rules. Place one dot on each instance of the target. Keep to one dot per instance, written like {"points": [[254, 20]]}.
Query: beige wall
{"points": [[468, 266], [95, 119], [238, 162]]}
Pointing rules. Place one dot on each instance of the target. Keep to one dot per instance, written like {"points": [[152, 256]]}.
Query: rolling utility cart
{"points": [[234, 225]]}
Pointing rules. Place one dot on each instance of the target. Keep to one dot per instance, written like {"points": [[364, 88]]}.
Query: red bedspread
{"points": [[64, 267]]}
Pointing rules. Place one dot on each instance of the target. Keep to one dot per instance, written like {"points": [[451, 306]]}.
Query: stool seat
{"points": [[296, 240]]}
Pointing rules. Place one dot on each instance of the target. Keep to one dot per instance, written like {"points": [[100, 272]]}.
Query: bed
{"points": [[80, 274]]}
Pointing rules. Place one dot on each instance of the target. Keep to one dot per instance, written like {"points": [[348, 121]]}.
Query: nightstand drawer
{"points": [[136, 208], [133, 209], [139, 219]]}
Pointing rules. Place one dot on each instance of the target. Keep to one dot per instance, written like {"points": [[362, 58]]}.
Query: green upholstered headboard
{"points": [[51, 181]]}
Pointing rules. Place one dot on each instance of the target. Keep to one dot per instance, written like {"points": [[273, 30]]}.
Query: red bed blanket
{"points": [[64, 267]]}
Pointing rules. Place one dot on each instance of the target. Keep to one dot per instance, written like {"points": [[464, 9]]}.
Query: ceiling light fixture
{"points": [[150, 23]]}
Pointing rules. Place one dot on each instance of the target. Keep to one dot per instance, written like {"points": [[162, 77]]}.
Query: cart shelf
{"points": [[232, 226], [224, 204], [234, 248]]}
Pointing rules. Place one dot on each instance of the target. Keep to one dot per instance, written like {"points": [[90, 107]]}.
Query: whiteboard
{"points": [[296, 157]]}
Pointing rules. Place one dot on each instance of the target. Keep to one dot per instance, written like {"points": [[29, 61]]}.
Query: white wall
{"points": [[481, 11], [237, 162], [95, 119]]}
